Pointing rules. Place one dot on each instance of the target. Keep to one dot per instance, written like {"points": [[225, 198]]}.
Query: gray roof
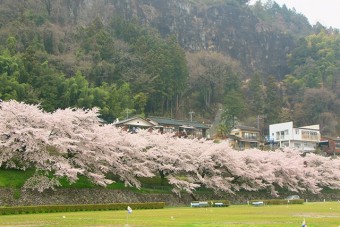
{"points": [[178, 123], [249, 128]]}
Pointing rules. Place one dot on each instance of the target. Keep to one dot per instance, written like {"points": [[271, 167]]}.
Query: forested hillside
{"points": [[169, 57]]}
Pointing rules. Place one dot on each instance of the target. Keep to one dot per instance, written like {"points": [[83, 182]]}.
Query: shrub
{"points": [[219, 203], [79, 207], [211, 203], [278, 201]]}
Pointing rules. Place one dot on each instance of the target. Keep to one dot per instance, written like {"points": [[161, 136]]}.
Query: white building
{"points": [[304, 138]]}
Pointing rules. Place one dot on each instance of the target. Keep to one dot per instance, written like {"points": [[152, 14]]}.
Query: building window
{"points": [[337, 144], [309, 135], [241, 145], [168, 129], [297, 131], [253, 145], [282, 135], [198, 133], [249, 135]]}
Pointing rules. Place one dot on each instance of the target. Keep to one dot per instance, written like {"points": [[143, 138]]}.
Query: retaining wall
{"points": [[14, 197]]}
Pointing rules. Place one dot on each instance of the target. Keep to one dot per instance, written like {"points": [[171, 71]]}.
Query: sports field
{"points": [[322, 214]]}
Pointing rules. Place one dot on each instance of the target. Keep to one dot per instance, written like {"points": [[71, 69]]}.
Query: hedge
{"points": [[278, 201], [214, 203], [78, 207]]}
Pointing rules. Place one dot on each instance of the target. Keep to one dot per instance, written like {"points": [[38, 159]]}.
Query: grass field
{"points": [[316, 215]]}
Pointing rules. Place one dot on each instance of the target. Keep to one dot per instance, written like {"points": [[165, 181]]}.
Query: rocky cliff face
{"points": [[227, 28]]}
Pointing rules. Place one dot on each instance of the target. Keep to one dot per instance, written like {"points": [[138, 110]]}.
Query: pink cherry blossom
{"points": [[73, 142]]}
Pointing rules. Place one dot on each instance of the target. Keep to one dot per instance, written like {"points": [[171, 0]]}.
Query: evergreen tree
{"points": [[255, 95], [273, 102]]}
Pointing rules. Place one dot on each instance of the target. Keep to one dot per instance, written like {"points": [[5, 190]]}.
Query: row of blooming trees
{"points": [[73, 142]]}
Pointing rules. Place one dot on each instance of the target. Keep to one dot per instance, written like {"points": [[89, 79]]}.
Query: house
{"points": [[182, 128], [329, 145], [244, 137], [191, 129], [134, 123], [304, 139]]}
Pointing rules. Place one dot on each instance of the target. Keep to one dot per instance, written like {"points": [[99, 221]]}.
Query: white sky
{"points": [[327, 12]]}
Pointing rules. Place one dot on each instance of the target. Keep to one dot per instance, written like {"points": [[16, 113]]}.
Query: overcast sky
{"points": [[327, 12]]}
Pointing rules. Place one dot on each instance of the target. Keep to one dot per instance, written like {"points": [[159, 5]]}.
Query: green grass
{"points": [[14, 178], [11, 178], [316, 215]]}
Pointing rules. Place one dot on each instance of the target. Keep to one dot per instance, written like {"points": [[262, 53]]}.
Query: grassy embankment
{"points": [[16, 179]]}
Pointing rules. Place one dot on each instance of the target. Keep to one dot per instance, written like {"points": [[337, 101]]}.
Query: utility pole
{"points": [[127, 113], [258, 124], [258, 120], [191, 113]]}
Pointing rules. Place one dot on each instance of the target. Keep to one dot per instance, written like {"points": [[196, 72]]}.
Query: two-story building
{"points": [[244, 137], [181, 128], [304, 139], [134, 123], [185, 128]]}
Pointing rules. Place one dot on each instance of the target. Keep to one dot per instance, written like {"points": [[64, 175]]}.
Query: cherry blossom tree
{"points": [[171, 157], [324, 170], [189, 164], [229, 170], [73, 142], [67, 143]]}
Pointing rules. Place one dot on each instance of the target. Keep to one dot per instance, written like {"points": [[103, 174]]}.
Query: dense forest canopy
{"points": [[268, 61]]}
